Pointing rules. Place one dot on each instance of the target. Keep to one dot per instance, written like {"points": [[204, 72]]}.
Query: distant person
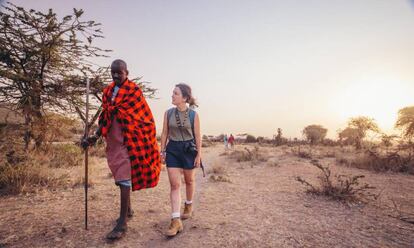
{"points": [[226, 143], [231, 141], [132, 152], [181, 150]]}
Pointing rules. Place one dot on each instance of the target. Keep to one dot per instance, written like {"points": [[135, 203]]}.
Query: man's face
{"points": [[119, 73]]}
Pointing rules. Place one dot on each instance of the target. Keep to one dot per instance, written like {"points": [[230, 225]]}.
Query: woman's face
{"points": [[177, 97]]}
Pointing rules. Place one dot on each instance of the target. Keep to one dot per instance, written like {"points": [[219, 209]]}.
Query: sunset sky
{"points": [[255, 66]]}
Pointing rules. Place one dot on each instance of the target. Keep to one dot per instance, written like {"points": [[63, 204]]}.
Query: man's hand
{"points": [[90, 141]]}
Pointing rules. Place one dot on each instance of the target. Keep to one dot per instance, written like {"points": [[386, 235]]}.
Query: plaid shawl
{"points": [[131, 110]]}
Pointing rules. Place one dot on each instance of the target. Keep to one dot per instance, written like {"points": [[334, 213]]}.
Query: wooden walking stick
{"points": [[86, 153]]}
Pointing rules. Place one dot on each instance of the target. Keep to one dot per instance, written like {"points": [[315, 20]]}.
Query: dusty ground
{"points": [[261, 206]]}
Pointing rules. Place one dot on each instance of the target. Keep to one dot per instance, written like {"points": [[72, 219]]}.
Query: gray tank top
{"points": [[174, 132]]}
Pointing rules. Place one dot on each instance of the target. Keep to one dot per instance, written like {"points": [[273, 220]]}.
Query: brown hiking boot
{"points": [[188, 211], [176, 226]]}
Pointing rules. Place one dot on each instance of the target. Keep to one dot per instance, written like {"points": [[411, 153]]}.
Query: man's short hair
{"points": [[120, 62]]}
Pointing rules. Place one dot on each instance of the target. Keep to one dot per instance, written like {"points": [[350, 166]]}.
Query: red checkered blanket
{"points": [[131, 110]]}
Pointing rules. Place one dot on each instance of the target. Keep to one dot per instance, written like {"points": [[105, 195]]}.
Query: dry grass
{"points": [[26, 171], [373, 160], [216, 169], [302, 152], [78, 177], [320, 152], [255, 155], [98, 150], [339, 187], [80, 182], [219, 173], [207, 143], [54, 156], [220, 178], [58, 128], [22, 171], [327, 153], [63, 155], [27, 177], [225, 153], [400, 214], [273, 164]]}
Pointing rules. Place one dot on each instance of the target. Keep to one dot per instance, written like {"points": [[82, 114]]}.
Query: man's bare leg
{"points": [[130, 212], [121, 226]]}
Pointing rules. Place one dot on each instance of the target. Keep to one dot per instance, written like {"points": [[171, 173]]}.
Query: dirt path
{"points": [[261, 206]]}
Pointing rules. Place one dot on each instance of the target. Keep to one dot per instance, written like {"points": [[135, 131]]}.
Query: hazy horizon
{"points": [[258, 66]]}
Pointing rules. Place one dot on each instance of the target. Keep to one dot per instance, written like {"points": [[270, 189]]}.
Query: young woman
{"points": [[181, 151]]}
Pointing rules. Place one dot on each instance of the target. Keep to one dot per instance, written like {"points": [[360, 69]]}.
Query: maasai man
{"points": [[132, 152]]}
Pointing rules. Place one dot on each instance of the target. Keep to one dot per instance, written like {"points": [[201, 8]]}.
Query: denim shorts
{"points": [[177, 158]]}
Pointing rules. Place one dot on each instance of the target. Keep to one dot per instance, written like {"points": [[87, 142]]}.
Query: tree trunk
{"points": [[27, 133], [358, 144], [38, 135], [33, 116]]}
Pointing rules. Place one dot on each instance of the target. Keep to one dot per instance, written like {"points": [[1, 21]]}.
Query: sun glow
{"points": [[376, 97]]}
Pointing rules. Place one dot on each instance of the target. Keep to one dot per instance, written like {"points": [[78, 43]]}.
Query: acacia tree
{"points": [[361, 125], [314, 133], [250, 139], [44, 63], [348, 136], [278, 137], [387, 140], [405, 122]]}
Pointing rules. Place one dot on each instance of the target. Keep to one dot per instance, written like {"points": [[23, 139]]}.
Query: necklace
{"points": [[178, 120]]}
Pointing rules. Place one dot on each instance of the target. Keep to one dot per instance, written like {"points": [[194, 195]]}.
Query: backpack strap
{"points": [[192, 115], [169, 114]]}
